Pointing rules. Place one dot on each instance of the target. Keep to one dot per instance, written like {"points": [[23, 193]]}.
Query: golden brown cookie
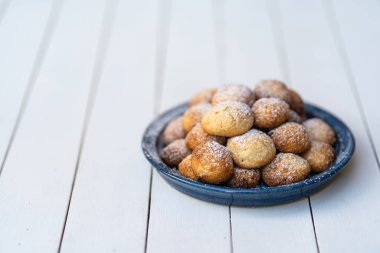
{"points": [[234, 92], [285, 169], [294, 117], [173, 131], [243, 178], [319, 130], [320, 156], [272, 89], [296, 102], [252, 150], [194, 115], [228, 119], [197, 136], [270, 112], [212, 163], [203, 96], [186, 170], [175, 152], [291, 137]]}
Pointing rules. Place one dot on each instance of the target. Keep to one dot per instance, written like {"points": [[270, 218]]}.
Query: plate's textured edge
{"points": [[255, 196]]}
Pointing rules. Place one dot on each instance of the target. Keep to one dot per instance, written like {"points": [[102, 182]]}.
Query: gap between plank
{"points": [[218, 7], [278, 34], [312, 219], [337, 36], [101, 53], [40, 56], [162, 39], [3, 9], [231, 235]]}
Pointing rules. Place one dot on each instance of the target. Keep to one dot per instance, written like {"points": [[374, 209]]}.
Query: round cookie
{"points": [[273, 88], [252, 150], [243, 178], [296, 102], [319, 130], [186, 170], [291, 137], [194, 115], [212, 163], [234, 92], [285, 169], [173, 131], [197, 136], [320, 156], [270, 112], [228, 119], [203, 96], [175, 152], [294, 117]]}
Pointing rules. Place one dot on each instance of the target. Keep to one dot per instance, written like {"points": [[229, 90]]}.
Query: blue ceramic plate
{"points": [[262, 195]]}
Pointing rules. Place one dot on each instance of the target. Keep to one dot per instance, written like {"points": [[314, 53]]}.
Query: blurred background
{"points": [[80, 80]]}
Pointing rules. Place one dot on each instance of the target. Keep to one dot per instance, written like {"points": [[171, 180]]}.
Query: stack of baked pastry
{"points": [[236, 136]]}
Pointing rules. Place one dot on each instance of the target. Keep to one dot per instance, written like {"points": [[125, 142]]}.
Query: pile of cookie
{"points": [[235, 136]]}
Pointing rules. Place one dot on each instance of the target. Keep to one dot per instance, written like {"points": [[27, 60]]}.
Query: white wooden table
{"points": [[80, 80]]}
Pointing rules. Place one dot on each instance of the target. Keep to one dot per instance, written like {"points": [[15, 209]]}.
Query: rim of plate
{"points": [[346, 150]]}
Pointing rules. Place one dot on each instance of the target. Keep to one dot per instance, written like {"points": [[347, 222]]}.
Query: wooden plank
{"points": [[36, 180], [4, 4], [251, 55], [108, 211], [179, 223], [192, 38], [19, 47], [346, 213], [359, 37]]}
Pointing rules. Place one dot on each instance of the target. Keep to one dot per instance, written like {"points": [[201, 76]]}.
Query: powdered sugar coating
{"points": [[273, 88], [214, 151], [320, 156], [234, 92], [203, 96], [319, 130], [173, 131], [291, 137], [243, 178], [175, 152], [252, 150], [197, 136], [270, 112], [285, 169], [232, 118], [228, 119], [296, 102], [212, 163], [194, 115], [294, 117], [185, 169]]}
